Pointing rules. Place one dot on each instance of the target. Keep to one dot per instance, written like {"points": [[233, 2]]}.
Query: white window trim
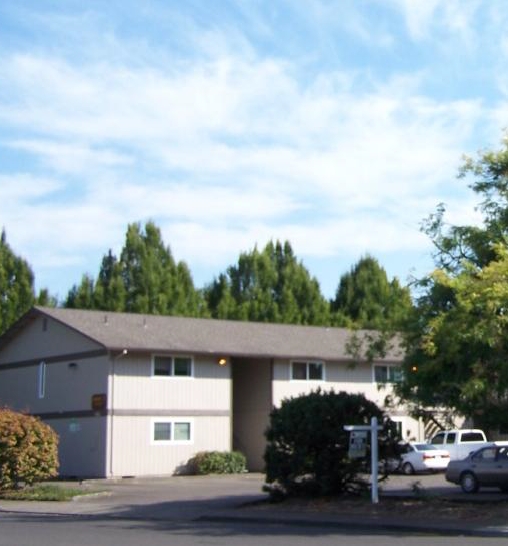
{"points": [[171, 420], [41, 379], [387, 382], [171, 376], [307, 362]]}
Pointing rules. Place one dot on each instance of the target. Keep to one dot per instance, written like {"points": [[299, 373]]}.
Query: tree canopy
{"points": [[268, 286], [16, 285], [456, 245], [367, 299], [145, 279], [457, 340]]}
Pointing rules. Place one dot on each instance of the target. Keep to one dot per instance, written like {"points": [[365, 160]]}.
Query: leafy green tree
{"points": [[456, 348], [307, 446], [82, 296], [109, 291], [146, 279], [268, 286], [16, 285], [153, 281], [455, 245], [460, 357], [367, 299]]}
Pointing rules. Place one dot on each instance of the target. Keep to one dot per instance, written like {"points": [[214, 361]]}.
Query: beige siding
{"points": [[66, 388], [82, 446], [358, 378], [135, 388], [338, 376], [134, 454], [44, 338]]}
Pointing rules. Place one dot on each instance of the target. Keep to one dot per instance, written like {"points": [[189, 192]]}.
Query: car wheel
{"points": [[469, 482], [407, 468]]}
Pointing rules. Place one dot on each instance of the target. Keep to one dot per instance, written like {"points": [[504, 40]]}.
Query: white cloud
{"points": [[229, 149]]}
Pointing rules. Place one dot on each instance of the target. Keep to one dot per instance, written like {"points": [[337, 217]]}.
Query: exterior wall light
{"points": [[222, 361]]}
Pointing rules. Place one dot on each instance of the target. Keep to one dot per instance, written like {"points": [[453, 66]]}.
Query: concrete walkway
{"points": [[238, 498]]}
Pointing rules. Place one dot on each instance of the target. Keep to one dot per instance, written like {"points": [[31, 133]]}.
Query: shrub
{"points": [[218, 462], [28, 450], [307, 446]]}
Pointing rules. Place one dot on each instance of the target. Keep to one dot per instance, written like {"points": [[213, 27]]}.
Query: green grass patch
{"points": [[45, 493]]}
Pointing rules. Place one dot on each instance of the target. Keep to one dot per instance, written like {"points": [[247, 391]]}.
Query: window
{"points": [[387, 374], [472, 437], [41, 380], [171, 431], [450, 439], [172, 366], [307, 371], [438, 439]]}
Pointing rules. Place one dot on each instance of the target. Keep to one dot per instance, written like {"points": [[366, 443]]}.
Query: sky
{"points": [[336, 125]]}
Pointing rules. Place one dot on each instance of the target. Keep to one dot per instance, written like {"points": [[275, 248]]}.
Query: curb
{"points": [[445, 530]]}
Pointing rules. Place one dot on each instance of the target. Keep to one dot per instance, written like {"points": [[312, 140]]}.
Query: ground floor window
{"points": [[171, 431]]}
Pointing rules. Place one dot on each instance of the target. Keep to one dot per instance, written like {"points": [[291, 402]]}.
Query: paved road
{"points": [[204, 509], [43, 530]]}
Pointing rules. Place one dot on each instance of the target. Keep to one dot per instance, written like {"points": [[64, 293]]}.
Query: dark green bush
{"points": [[307, 446], [218, 462], [28, 449]]}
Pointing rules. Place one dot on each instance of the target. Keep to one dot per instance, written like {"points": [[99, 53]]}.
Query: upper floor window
{"points": [[172, 366], [41, 380], [387, 374], [307, 370]]}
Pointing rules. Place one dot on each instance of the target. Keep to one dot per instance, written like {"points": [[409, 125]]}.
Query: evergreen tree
{"points": [[16, 285], [146, 279], [109, 292], [268, 286], [82, 296], [368, 299]]}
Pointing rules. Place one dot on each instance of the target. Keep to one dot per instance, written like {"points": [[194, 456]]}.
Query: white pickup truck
{"points": [[459, 443]]}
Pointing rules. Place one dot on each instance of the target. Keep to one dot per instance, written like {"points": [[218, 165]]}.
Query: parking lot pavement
{"points": [[193, 497]]}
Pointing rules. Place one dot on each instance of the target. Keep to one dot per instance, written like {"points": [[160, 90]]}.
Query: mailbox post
{"points": [[373, 428]]}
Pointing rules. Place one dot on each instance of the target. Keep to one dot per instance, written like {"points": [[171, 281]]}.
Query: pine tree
{"points": [[268, 286], [16, 285], [368, 299], [146, 279]]}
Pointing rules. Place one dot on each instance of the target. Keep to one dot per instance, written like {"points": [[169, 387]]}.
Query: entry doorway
{"points": [[252, 403]]}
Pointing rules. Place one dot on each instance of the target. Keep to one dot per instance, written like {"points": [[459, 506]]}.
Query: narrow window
{"points": [[41, 380]]}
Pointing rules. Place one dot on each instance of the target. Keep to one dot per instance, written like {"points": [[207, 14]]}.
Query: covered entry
{"points": [[252, 403]]}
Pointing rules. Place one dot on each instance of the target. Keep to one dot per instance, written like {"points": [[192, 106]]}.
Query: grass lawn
{"points": [[45, 492]]}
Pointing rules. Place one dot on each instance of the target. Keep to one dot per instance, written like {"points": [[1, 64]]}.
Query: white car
{"points": [[420, 457]]}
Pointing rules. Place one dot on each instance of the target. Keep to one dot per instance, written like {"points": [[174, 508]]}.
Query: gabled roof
{"points": [[155, 333]]}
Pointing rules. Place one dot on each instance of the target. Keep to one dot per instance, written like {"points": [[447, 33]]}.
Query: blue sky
{"points": [[336, 125]]}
